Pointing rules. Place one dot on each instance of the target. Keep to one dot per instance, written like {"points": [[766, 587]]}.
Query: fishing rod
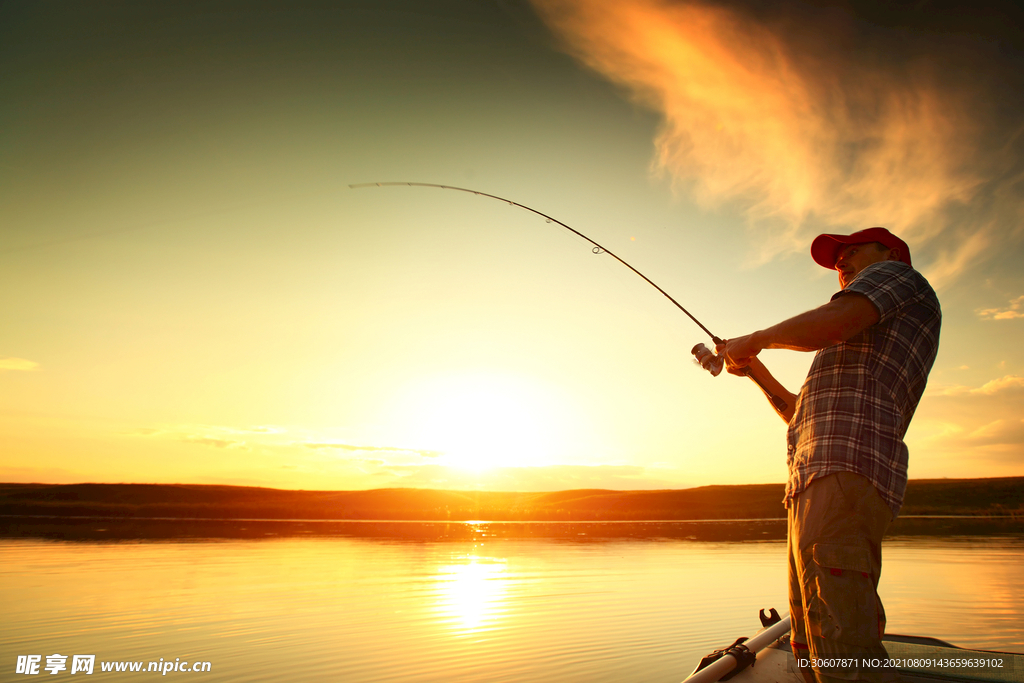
{"points": [[713, 364], [598, 248]]}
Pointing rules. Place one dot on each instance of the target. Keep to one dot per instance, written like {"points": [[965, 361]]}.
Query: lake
{"points": [[479, 605]]}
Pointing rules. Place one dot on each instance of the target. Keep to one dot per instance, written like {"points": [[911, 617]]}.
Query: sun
{"points": [[482, 420]]}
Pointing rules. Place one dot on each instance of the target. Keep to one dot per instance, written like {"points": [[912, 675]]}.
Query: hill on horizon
{"points": [[995, 496]]}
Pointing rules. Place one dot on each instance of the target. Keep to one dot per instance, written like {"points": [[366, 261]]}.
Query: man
{"points": [[876, 341]]}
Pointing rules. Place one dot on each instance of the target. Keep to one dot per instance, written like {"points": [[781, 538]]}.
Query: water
{"points": [[486, 609]]}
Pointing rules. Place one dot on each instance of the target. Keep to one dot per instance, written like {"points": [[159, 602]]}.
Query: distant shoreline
{"points": [[926, 498], [473, 521], [143, 529]]}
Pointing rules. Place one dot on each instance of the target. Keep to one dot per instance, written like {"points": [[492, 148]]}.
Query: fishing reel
{"points": [[707, 359]]}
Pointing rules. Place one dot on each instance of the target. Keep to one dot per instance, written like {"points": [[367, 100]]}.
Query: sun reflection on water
{"points": [[472, 594]]}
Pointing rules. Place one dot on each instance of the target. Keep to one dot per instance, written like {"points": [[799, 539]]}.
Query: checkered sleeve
{"points": [[889, 285]]}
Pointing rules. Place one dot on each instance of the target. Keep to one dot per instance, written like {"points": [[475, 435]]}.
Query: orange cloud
{"points": [[789, 118], [216, 443], [962, 430], [17, 364], [548, 478], [996, 386], [369, 449], [1012, 311]]}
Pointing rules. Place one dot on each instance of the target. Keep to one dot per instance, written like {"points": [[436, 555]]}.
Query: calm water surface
{"points": [[355, 609]]}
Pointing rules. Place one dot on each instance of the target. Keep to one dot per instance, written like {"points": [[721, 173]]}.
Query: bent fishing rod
{"points": [[716, 363]]}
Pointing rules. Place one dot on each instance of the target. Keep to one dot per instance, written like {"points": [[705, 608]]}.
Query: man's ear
{"points": [[894, 254]]}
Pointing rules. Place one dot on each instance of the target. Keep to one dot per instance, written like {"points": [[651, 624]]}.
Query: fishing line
{"points": [[715, 366], [597, 249]]}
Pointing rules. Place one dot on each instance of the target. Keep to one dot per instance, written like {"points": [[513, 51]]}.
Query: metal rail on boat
{"points": [[723, 666]]}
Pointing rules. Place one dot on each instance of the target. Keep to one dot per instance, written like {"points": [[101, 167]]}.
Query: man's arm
{"points": [[835, 322], [764, 378]]}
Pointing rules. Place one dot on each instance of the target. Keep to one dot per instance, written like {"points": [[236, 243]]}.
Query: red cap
{"points": [[825, 248]]}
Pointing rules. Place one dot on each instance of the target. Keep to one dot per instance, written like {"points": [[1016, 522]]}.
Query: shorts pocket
{"points": [[843, 610], [848, 557]]}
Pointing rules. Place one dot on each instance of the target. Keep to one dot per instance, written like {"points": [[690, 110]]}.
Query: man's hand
{"points": [[740, 352]]}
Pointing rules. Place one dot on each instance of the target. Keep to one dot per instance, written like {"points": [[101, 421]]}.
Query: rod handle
{"points": [[777, 401]]}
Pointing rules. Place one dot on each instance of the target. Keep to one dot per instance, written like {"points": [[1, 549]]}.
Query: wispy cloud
{"points": [[1010, 312], [298, 445], [799, 118], [215, 443], [998, 432], [17, 364], [967, 248], [963, 444], [960, 426], [549, 478], [991, 388], [214, 436], [369, 449]]}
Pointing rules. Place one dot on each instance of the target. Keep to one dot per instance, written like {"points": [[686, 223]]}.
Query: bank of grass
{"points": [[971, 497]]}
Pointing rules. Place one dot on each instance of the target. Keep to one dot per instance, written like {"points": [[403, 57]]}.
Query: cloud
{"points": [[215, 436], [17, 364], [550, 478], [1009, 383], [999, 432], [961, 426], [809, 119], [314, 450], [965, 443], [1012, 311], [216, 443], [955, 258], [370, 449], [258, 429], [997, 386]]}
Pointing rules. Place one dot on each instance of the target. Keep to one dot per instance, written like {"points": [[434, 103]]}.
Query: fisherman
{"points": [[876, 341]]}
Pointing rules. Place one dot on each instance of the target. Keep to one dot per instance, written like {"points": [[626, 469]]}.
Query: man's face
{"points": [[854, 258]]}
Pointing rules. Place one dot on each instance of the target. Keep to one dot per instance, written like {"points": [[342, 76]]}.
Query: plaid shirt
{"points": [[859, 395]]}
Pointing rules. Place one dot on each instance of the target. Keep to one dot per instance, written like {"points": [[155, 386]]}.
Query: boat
{"points": [[767, 658]]}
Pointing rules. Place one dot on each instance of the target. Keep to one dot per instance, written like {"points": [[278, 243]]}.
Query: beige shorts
{"points": [[835, 559]]}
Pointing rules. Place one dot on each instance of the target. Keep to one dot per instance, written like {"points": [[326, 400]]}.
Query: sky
{"points": [[192, 293]]}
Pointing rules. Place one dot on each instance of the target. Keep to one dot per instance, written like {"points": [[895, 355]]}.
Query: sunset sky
{"points": [[191, 292]]}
